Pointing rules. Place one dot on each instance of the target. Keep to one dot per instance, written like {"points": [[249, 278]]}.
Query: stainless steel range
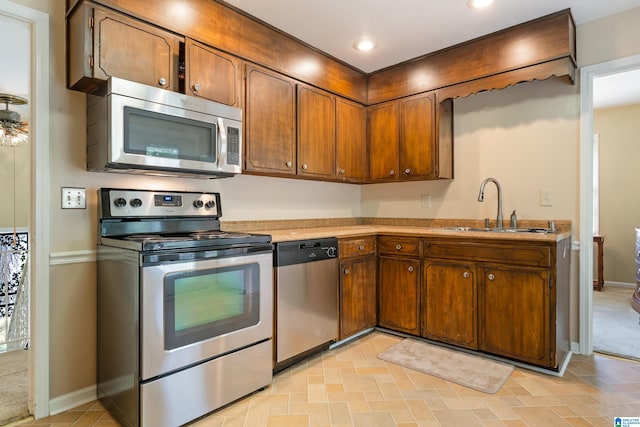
{"points": [[184, 309]]}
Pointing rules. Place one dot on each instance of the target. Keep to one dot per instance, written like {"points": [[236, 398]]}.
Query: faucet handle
{"points": [[513, 223], [487, 224]]}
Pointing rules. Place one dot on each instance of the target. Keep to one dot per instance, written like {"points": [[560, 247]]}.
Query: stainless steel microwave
{"points": [[137, 128]]}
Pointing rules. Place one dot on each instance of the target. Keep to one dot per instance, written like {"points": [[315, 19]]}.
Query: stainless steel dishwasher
{"points": [[306, 281]]}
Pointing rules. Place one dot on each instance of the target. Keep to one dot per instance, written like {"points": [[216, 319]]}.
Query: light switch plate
{"points": [[74, 198], [546, 198]]}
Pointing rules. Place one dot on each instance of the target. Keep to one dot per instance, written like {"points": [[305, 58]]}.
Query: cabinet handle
{"points": [[289, 164], [392, 172], [304, 166], [410, 269], [407, 171], [491, 276], [346, 271], [466, 275], [196, 87], [361, 247], [398, 247], [162, 81], [341, 171]]}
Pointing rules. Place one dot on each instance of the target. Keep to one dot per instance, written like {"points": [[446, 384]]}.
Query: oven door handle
{"points": [[222, 146]]}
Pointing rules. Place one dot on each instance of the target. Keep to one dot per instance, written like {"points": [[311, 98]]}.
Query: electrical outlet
{"points": [[74, 198], [425, 200], [546, 198]]}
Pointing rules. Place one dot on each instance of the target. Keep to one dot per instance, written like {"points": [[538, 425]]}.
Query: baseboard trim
{"points": [[619, 284], [575, 347], [72, 400]]}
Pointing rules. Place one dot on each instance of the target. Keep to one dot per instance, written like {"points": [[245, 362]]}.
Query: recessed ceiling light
{"points": [[364, 45], [478, 4]]}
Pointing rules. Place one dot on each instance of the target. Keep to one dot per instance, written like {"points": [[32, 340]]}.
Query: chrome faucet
{"points": [[481, 198]]}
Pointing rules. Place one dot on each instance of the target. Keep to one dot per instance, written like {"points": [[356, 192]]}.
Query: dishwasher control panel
{"points": [[301, 251]]}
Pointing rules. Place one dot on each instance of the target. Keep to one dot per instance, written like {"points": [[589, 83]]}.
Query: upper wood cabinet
{"points": [[383, 141], [351, 141], [410, 139], [316, 133], [103, 43], [269, 123], [212, 74], [298, 130]]}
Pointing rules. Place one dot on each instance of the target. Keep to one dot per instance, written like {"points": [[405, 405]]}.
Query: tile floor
{"points": [[349, 386]]}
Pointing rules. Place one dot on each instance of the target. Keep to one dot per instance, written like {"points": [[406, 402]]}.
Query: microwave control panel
{"points": [[233, 143]]}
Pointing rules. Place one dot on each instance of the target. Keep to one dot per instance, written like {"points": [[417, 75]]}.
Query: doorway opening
{"points": [[588, 78]]}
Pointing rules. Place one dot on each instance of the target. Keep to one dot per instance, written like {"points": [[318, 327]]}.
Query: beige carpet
{"points": [[615, 324], [13, 386], [461, 368]]}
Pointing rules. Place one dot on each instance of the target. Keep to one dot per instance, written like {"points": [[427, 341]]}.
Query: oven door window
{"points": [[150, 133], [203, 304]]}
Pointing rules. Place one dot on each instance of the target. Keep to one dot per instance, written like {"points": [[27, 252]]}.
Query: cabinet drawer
{"points": [[536, 256], [392, 245], [349, 248]]}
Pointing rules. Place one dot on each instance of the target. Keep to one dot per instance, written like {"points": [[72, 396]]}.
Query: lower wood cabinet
{"points": [[357, 296], [358, 310], [399, 294], [508, 298], [515, 315], [450, 303], [503, 297], [399, 284]]}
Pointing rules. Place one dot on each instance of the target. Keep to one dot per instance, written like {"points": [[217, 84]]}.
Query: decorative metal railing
{"points": [[14, 290]]}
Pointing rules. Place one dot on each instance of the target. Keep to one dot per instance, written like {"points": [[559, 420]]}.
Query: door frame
{"points": [[39, 218], [587, 76]]}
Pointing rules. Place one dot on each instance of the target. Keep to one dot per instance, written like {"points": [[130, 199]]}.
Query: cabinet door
{"points": [[351, 141], [417, 137], [357, 296], [399, 294], [383, 141], [270, 123], [211, 74], [515, 314], [316, 133], [126, 48], [449, 310]]}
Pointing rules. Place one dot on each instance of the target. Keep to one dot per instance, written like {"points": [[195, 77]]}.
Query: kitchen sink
{"points": [[500, 230]]}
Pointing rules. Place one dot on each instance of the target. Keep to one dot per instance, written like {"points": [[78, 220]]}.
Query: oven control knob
{"points": [[136, 203], [120, 202], [198, 203], [210, 204]]}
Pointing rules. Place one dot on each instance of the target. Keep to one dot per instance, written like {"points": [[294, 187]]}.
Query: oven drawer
{"points": [[186, 395]]}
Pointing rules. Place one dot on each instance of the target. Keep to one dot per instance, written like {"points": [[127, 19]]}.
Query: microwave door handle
{"points": [[222, 146]]}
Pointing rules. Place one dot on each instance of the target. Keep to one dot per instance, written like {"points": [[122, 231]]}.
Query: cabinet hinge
{"points": [[91, 22], [91, 61]]}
